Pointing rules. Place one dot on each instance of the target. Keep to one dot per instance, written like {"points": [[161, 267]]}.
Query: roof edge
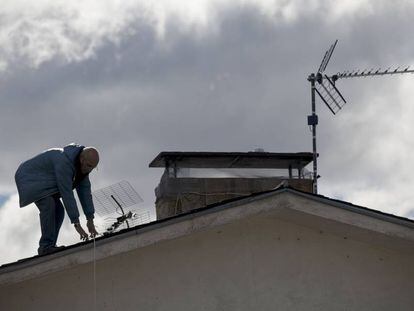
{"points": [[399, 220]]}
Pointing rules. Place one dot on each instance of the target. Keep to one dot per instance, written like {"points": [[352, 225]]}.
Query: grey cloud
{"points": [[235, 89]]}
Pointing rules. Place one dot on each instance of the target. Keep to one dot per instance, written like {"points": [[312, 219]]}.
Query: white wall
{"points": [[261, 263]]}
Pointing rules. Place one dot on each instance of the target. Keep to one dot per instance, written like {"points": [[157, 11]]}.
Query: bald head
{"points": [[89, 159]]}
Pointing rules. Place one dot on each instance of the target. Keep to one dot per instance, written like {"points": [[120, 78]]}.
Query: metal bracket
{"points": [[312, 119]]}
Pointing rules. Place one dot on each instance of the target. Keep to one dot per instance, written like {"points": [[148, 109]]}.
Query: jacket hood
{"points": [[72, 151]]}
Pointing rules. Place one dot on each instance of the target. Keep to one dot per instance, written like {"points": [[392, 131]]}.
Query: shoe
{"points": [[50, 250]]}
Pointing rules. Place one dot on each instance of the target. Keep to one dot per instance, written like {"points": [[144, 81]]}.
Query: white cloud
{"points": [[35, 32], [19, 231], [38, 31]]}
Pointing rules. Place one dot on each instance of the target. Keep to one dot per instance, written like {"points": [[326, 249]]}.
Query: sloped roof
{"points": [[27, 263]]}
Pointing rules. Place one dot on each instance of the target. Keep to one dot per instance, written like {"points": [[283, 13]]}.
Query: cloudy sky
{"points": [[134, 78]]}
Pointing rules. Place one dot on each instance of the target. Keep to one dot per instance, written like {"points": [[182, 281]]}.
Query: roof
{"points": [[232, 159], [178, 225]]}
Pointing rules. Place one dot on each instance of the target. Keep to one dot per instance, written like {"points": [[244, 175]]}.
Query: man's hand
{"points": [[91, 228], [82, 233]]}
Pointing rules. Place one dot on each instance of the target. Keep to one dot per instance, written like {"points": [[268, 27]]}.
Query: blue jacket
{"points": [[53, 172]]}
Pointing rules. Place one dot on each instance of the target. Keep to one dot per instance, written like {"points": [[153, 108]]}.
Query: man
{"points": [[51, 175]]}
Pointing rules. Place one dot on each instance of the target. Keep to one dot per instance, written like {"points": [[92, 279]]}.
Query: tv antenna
{"points": [[113, 202], [324, 86]]}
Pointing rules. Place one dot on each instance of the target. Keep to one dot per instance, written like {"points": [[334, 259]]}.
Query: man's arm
{"points": [[64, 180], [85, 197]]}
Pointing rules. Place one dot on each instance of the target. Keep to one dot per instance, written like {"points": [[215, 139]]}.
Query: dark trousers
{"points": [[51, 219]]}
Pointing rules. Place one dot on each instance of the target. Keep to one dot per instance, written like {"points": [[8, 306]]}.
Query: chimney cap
{"points": [[270, 160]]}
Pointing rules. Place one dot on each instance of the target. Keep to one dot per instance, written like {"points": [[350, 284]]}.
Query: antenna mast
{"points": [[324, 86], [327, 96]]}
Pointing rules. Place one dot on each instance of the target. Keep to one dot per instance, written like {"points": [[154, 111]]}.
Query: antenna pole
{"points": [[120, 206], [313, 121]]}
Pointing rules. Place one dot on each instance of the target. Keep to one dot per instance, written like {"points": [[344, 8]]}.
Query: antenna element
{"points": [[115, 199]]}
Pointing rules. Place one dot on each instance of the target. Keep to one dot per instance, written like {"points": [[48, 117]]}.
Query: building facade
{"points": [[280, 250]]}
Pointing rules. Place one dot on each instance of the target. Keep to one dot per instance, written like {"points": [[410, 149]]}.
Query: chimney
{"points": [[196, 179]]}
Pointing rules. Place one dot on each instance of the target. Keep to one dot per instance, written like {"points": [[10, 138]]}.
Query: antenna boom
{"points": [[357, 74]]}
